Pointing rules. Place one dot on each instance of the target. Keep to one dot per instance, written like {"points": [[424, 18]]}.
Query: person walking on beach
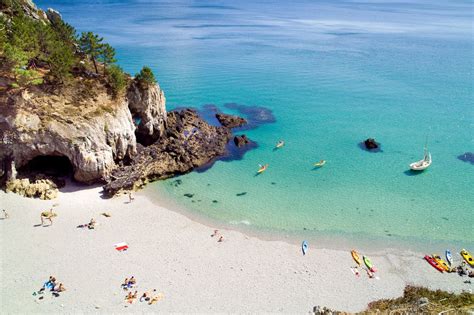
{"points": [[48, 215], [130, 197], [5, 214]]}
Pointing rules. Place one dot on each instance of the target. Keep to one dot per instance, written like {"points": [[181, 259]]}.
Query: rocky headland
{"points": [[122, 139]]}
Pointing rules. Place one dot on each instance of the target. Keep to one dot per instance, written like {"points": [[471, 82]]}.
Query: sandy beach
{"points": [[178, 257]]}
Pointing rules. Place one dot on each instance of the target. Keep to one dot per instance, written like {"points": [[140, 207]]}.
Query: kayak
{"points": [[449, 257], [368, 263], [280, 144], [304, 247], [433, 263], [441, 262], [262, 169], [356, 257], [467, 257], [320, 163]]}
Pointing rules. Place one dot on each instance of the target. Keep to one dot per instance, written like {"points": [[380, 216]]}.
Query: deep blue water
{"points": [[333, 73]]}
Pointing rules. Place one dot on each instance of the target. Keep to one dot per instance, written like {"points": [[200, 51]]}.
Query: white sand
{"points": [[177, 256]]}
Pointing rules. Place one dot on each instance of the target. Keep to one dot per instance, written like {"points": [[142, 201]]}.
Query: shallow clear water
{"points": [[333, 73]]}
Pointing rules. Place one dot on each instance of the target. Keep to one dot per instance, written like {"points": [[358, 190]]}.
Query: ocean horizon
{"points": [[331, 74]]}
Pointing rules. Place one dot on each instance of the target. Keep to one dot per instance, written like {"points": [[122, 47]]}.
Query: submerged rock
{"points": [[230, 121], [467, 157]]}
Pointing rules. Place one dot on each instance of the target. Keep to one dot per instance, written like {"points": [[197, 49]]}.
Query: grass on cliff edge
{"points": [[439, 301]]}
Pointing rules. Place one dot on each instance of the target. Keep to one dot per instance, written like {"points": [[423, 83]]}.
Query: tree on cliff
{"points": [[116, 78], [91, 44], [146, 76], [107, 55]]}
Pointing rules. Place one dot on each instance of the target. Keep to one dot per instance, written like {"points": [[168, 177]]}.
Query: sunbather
{"points": [[91, 224], [59, 288]]}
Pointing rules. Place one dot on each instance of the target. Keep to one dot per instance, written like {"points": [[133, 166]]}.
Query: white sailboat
{"points": [[423, 164]]}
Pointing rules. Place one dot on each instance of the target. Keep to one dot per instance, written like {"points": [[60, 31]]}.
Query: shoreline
{"points": [[177, 256], [319, 239]]}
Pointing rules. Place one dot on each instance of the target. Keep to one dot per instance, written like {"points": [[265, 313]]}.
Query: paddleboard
{"points": [[304, 247], [449, 257]]}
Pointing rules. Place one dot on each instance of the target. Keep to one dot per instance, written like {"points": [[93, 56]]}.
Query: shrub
{"points": [[116, 78]]}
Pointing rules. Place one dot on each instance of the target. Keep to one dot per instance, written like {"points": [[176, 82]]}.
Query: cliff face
{"points": [[91, 129]]}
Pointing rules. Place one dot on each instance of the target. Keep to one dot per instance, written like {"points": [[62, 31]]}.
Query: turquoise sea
{"points": [[333, 72]]}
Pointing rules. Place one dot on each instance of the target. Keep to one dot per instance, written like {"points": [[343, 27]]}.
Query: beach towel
{"points": [[121, 246]]}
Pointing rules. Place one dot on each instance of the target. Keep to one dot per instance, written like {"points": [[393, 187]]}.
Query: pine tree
{"points": [[91, 44], [107, 55], [146, 76]]}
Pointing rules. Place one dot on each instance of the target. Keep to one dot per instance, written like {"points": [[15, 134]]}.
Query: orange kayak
{"points": [[441, 262], [356, 257]]}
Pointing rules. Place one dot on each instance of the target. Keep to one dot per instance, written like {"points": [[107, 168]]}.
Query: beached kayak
{"points": [[433, 263], [304, 247], [356, 257], [368, 263], [441, 262], [449, 257], [467, 257]]}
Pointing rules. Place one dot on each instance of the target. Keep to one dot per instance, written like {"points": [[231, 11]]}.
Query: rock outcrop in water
{"points": [[188, 142], [371, 144], [230, 121]]}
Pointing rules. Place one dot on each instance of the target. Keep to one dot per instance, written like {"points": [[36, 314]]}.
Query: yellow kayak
{"points": [[356, 257], [467, 257], [320, 163], [441, 262], [262, 169]]}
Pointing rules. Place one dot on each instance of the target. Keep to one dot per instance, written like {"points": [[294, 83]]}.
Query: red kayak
{"points": [[434, 263]]}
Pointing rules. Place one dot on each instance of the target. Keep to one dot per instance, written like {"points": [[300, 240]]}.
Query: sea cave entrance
{"points": [[57, 166]]}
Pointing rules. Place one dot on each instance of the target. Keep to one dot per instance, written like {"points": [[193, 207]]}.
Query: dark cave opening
{"points": [[49, 165]]}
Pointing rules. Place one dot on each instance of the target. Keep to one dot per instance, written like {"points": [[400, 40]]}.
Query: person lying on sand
{"points": [[155, 298], [131, 283], [91, 225], [215, 233], [145, 297], [59, 288], [221, 239], [125, 284], [48, 215]]}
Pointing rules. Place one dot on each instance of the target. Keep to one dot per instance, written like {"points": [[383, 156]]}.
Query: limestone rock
{"points": [[230, 121], [148, 107], [91, 130]]}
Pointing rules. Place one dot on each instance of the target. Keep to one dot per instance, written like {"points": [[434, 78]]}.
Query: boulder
{"points": [[230, 121], [371, 144], [241, 141]]}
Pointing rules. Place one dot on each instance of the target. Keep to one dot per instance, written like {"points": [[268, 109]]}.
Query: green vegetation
{"points": [[91, 45], [437, 301], [37, 51], [146, 76], [117, 79]]}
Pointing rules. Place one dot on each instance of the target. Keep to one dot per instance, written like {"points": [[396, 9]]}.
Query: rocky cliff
{"points": [[91, 129]]}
